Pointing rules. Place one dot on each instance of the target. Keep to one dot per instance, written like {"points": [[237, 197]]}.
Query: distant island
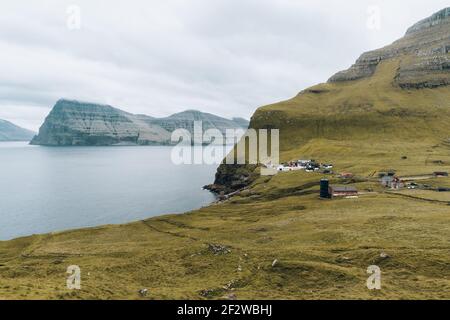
{"points": [[75, 123], [11, 132]]}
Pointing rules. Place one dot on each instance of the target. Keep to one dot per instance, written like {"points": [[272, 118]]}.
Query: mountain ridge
{"points": [[397, 93], [436, 18], [424, 53], [73, 122], [11, 132]]}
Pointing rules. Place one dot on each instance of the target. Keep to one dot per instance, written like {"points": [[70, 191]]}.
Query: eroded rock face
{"points": [[186, 119], [436, 19], [232, 177], [423, 54], [74, 123]]}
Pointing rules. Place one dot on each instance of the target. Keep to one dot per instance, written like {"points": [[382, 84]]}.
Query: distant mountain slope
{"points": [[11, 132], [73, 123], [186, 120], [241, 122]]}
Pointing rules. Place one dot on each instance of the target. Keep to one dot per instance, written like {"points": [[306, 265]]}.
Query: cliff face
{"points": [[11, 132], [76, 123], [186, 120], [72, 123], [424, 53], [396, 94]]}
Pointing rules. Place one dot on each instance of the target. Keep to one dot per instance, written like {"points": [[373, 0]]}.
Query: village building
{"points": [[392, 182], [386, 181], [346, 175], [307, 165], [441, 174], [324, 189], [342, 191], [397, 183], [303, 163]]}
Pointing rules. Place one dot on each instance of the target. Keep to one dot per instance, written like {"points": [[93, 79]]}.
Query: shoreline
{"points": [[162, 215], [46, 190]]}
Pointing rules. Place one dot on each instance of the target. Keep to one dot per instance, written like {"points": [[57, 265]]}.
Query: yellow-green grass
{"points": [[323, 247], [364, 111], [427, 194]]}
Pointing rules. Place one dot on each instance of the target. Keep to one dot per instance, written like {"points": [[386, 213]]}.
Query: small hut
{"points": [[440, 174], [346, 175], [342, 191]]}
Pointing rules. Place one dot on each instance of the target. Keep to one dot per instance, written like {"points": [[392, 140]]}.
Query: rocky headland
{"points": [[75, 123]]}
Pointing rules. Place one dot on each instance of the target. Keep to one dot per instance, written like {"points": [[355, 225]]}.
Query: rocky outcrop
{"points": [[232, 177], [423, 55], [11, 132], [74, 123]]}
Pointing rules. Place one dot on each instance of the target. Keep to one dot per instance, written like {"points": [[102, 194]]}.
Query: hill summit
{"points": [[392, 100], [423, 55]]}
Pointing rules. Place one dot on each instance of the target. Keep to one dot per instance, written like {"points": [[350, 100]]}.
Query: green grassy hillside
{"points": [[276, 239], [322, 248], [366, 111]]}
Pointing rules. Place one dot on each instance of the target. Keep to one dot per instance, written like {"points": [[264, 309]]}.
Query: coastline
{"points": [[46, 189], [176, 257]]}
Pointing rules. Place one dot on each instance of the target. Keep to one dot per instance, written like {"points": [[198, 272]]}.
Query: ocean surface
{"points": [[46, 189]]}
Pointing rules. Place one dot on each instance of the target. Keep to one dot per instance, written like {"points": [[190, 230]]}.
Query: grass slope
{"points": [[323, 248], [371, 109]]}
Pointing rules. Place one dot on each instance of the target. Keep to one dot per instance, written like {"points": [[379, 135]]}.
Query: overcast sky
{"points": [[226, 57]]}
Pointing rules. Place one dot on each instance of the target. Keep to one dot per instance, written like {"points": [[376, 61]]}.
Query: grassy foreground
{"points": [[322, 248]]}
